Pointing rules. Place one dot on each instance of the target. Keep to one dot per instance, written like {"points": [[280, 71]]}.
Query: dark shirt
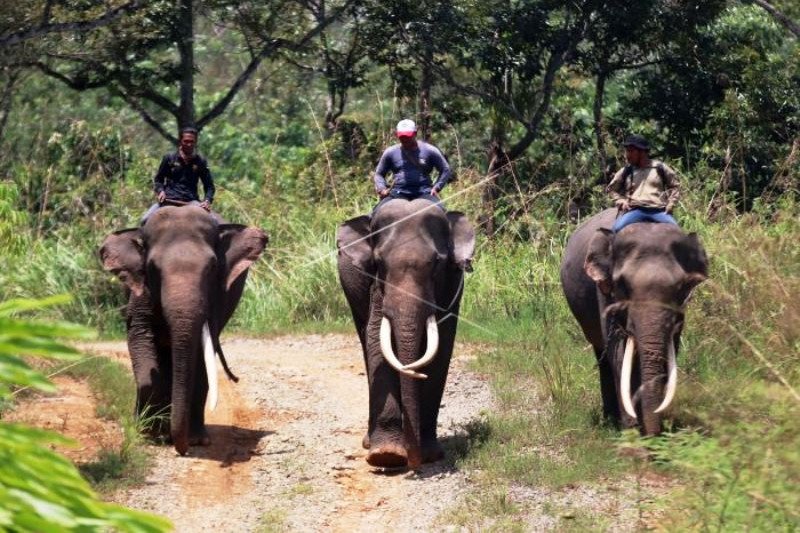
{"points": [[178, 179], [411, 169]]}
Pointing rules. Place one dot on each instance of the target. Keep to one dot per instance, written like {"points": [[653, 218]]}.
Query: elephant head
{"points": [[402, 273], [646, 273], [185, 274]]}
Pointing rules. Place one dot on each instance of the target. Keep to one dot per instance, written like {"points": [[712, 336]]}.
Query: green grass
{"points": [[113, 387]]}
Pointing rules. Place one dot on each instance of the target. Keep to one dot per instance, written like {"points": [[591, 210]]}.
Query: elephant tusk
{"points": [[388, 353], [625, 379], [672, 378], [211, 368], [430, 349]]}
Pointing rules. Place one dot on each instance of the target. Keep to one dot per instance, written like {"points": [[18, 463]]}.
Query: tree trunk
{"points": [[425, 82], [185, 43], [6, 99], [599, 126], [498, 161]]}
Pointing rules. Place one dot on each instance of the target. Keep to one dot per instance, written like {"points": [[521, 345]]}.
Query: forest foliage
{"points": [[529, 100]]}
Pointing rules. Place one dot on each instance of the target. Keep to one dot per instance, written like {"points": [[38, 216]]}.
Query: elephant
{"points": [[184, 274], [629, 293], [402, 272]]}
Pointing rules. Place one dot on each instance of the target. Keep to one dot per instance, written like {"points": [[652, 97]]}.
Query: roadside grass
{"points": [[112, 385], [737, 451], [273, 521]]}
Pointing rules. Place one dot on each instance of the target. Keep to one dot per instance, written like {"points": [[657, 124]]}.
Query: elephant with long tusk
{"points": [[629, 293], [402, 273], [185, 274]]}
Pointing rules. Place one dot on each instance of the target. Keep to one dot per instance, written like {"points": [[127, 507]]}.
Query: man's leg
{"points": [[434, 199], [630, 217], [662, 217], [149, 213]]}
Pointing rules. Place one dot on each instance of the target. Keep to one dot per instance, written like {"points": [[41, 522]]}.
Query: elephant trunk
{"points": [[408, 341], [185, 334], [656, 352]]}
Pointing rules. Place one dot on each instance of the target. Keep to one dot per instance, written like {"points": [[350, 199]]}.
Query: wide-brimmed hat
{"points": [[637, 141], [406, 128]]}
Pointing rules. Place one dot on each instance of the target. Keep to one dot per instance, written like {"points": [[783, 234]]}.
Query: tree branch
{"points": [[266, 51], [77, 26], [788, 23], [136, 106]]}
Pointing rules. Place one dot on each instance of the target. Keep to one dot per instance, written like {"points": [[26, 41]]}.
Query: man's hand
{"points": [[669, 209], [435, 192], [205, 205], [384, 193], [161, 197], [623, 205]]}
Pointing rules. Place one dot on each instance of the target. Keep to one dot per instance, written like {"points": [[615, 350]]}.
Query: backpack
{"points": [[627, 175]]}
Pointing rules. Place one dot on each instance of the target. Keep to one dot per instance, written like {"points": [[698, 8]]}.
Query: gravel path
{"points": [[286, 448]]}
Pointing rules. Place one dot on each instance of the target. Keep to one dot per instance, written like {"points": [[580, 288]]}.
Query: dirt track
{"points": [[286, 447]]}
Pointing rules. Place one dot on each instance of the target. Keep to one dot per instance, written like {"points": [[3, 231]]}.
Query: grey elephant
{"points": [[185, 274], [402, 272], [629, 293]]}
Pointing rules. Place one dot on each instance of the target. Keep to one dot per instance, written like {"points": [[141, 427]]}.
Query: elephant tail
{"points": [[218, 349]]}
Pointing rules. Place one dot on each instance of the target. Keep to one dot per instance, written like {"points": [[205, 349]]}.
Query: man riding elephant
{"points": [[177, 178], [644, 189], [410, 162]]}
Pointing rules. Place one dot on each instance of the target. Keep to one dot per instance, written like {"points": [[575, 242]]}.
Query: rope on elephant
{"points": [[432, 304], [325, 255]]}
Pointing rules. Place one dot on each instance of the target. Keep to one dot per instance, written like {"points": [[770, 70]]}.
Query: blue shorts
{"points": [[641, 214]]}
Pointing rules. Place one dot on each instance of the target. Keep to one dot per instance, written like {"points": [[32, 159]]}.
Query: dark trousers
{"points": [[395, 195]]}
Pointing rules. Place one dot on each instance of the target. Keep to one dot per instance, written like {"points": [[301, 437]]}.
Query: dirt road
{"points": [[286, 447]]}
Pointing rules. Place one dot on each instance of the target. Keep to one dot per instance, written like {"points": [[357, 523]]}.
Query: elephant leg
{"points": [[153, 380], [433, 390], [614, 353], [608, 388]]}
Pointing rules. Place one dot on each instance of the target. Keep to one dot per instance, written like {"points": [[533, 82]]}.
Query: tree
{"points": [[148, 58]]}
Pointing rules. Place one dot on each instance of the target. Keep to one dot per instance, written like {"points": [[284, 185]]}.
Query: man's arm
{"points": [[672, 186], [208, 182], [160, 179], [445, 173], [380, 174], [616, 186]]}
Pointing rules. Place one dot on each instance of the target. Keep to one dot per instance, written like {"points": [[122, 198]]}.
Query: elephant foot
{"points": [[432, 452], [365, 441], [199, 438], [388, 455]]}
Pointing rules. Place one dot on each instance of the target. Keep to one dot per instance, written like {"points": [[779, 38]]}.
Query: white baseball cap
{"points": [[406, 128]]}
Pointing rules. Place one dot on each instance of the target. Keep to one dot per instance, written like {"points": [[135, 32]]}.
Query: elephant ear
{"points": [[691, 255], [354, 244], [463, 235], [598, 260], [241, 246], [122, 253]]}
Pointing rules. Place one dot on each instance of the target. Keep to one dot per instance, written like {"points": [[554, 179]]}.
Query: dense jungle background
{"points": [[529, 100]]}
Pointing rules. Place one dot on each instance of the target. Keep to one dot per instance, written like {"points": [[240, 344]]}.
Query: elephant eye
{"points": [[621, 287]]}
